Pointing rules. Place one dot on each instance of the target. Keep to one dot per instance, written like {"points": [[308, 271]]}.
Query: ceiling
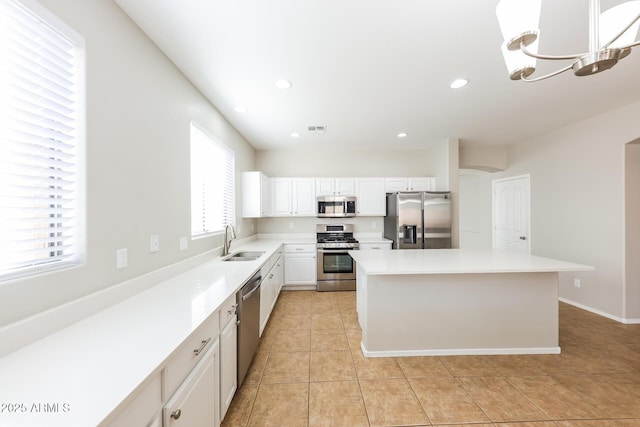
{"points": [[369, 69]]}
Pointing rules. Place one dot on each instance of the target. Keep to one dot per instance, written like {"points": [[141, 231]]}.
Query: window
{"points": [[41, 141], [212, 184]]}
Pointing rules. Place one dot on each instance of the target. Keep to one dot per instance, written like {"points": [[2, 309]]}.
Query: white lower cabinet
{"points": [[196, 401], [145, 406], [228, 353], [228, 364], [300, 264], [270, 289]]}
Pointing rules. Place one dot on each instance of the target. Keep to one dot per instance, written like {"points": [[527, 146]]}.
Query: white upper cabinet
{"points": [[293, 196], [284, 196], [335, 187], [304, 196], [281, 196], [423, 183], [370, 197], [255, 195]]}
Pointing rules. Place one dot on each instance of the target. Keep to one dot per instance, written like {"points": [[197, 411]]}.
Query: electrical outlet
{"points": [[154, 243], [373, 224], [576, 283], [291, 226], [184, 243], [121, 258]]}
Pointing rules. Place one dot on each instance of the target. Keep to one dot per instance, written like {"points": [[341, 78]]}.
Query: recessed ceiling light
{"points": [[457, 84], [295, 135], [283, 84], [402, 135], [240, 109]]}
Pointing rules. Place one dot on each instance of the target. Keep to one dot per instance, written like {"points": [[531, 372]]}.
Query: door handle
{"points": [[523, 238]]}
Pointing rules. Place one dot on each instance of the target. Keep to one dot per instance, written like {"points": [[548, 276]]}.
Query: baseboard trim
{"points": [[601, 313], [460, 352], [299, 287]]}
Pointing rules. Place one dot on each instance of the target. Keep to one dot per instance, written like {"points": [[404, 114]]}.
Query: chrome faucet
{"points": [[227, 241]]}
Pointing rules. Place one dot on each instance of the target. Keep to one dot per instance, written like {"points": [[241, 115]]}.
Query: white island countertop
{"points": [[437, 302], [457, 261]]}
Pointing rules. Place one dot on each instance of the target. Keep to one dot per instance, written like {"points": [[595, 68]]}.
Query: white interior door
{"points": [[511, 214]]}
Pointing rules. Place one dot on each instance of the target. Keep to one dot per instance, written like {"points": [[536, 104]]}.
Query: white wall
{"points": [[138, 111], [319, 162], [577, 201], [475, 209], [632, 226], [307, 225]]}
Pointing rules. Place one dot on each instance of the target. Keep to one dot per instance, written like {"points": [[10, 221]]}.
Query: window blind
{"points": [[212, 184], [40, 66]]}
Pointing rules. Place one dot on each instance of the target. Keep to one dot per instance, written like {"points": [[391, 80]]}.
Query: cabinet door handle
{"points": [[176, 414], [204, 343]]}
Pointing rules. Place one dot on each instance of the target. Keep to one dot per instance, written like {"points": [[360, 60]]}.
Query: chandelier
{"points": [[612, 34]]}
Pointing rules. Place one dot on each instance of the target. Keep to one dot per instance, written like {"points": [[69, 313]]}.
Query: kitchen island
{"points": [[458, 302]]}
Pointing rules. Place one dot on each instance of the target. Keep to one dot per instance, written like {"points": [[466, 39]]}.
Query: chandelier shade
{"points": [[519, 20], [518, 63], [612, 34], [613, 20]]}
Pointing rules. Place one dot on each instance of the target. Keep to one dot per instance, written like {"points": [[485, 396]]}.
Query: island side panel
{"points": [[440, 314]]}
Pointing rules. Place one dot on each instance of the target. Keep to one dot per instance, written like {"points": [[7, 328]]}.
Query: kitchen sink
{"points": [[244, 256], [256, 254]]}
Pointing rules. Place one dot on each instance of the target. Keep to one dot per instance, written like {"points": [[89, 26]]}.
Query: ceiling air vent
{"points": [[317, 129]]}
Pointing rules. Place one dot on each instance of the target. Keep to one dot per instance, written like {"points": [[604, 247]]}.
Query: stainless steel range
{"points": [[336, 268]]}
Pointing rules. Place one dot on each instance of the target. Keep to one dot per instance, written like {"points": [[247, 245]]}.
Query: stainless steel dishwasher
{"points": [[248, 299]]}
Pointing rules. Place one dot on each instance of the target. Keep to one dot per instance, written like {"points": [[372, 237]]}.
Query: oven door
{"points": [[335, 264]]}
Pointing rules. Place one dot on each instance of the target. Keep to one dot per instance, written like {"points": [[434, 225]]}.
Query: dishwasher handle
{"points": [[253, 291], [251, 287]]}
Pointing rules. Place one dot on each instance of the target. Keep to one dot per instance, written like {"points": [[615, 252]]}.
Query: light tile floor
{"points": [[309, 371]]}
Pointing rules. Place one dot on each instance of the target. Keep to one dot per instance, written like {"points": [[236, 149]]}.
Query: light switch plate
{"points": [[122, 258], [154, 243]]}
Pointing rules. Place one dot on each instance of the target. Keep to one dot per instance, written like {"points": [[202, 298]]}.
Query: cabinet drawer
{"points": [[194, 402], [143, 407], [299, 248], [189, 353], [228, 310]]}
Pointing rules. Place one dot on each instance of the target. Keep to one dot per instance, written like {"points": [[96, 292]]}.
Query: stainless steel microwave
{"points": [[336, 206]]}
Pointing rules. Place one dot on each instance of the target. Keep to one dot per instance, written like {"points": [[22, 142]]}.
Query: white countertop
{"points": [[95, 364], [456, 261], [369, 239]]}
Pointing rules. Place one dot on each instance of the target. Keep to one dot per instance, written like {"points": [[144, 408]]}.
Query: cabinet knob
{"points": [[176, 414]]}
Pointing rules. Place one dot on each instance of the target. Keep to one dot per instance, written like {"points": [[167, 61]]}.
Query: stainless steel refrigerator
{"points": [[419, 220]]}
